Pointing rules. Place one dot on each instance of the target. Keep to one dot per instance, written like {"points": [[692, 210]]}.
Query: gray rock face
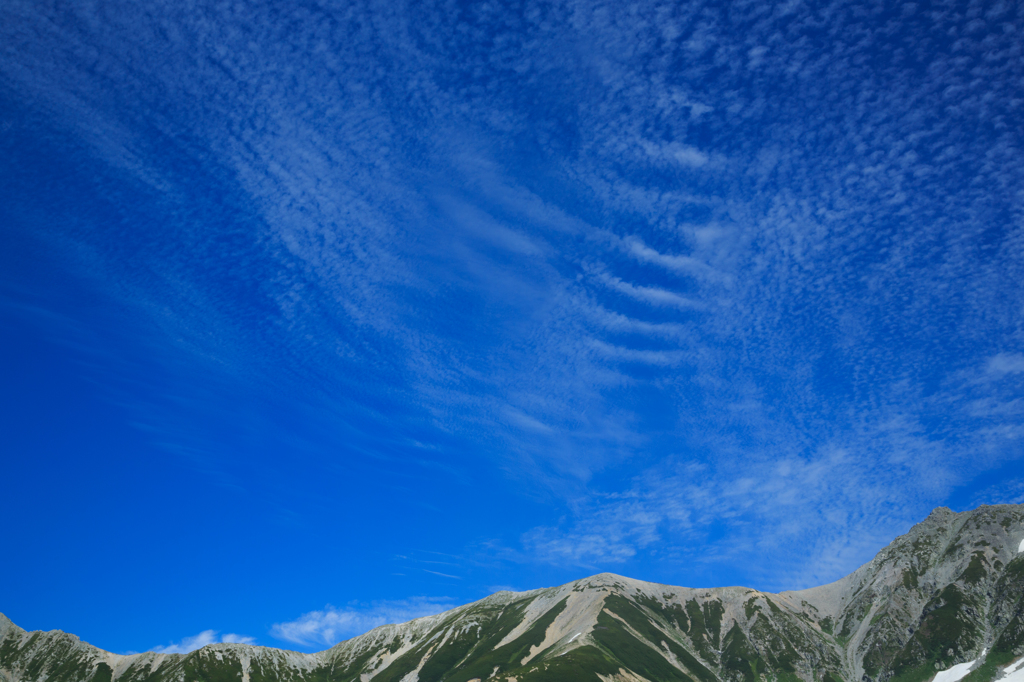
{"points": [[947, 596]]}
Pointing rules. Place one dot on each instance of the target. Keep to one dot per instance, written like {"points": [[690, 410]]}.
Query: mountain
{"points": [[943, 602]]}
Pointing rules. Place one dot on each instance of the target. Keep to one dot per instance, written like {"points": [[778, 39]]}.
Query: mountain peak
{"points": [[946, 596], [6, 624]]}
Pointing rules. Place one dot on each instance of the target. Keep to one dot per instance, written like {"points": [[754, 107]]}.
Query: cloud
{"points": [[614, 321], [687, 265], [503, 588], [647, 357], [611, 531], [1009, 491], [810, 518], [424, 227], [443, 575], [1006, 363], [202, 639], [332, 625], [682, 154], [653, 295]]}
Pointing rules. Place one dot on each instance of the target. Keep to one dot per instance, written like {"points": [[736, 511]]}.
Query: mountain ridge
{"points": [[948, 592]]}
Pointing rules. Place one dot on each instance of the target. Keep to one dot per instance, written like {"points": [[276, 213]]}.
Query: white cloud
{"points": [[645, 357], [1006, 363], [686, 265], [503, 588], [618, 322], [443, 575], [682, 154], [202, 639], [612, 530], [525, 421], [587, 549], [332, 625], [797, 218], [1004, 492], [811, 518], [652, 295]]}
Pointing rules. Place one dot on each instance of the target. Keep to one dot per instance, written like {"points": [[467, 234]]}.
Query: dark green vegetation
{"points": [[936, 597]]}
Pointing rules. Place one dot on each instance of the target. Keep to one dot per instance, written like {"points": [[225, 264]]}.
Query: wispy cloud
{"points": [[675, 152], [1008, 491], [762, 285], [647, 294], [1006, 363], [331, 625], [649, 357], [608, 531], [202, 639], [443, 575], [810, 518]]}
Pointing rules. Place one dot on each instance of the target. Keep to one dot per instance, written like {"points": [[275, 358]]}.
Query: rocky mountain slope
{"points": [[943, 602]]}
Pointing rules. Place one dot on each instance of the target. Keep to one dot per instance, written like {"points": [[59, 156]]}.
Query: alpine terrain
{"points": [[945, 602]]}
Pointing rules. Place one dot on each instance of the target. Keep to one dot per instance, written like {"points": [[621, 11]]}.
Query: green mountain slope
{"points": [[948, 593]]}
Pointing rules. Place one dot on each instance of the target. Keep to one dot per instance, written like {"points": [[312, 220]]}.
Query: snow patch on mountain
{"points": [[958, 672], [1014, 672]]}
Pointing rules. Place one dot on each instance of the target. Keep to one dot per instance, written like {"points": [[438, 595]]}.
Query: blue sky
{"points": [[317, 316]]}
